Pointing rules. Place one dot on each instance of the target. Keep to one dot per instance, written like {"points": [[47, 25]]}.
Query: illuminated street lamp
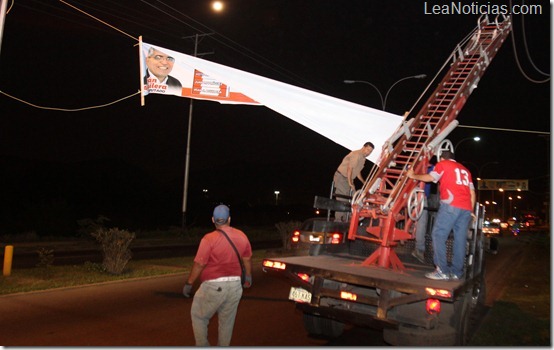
{"points": [[276, 197], [384, 100], [218, 6]]}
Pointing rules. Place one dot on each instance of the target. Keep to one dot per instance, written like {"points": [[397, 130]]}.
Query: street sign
{"points": [[505, 184]]}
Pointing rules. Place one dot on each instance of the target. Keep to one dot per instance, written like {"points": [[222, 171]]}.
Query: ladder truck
{"points": [[371, 279]]}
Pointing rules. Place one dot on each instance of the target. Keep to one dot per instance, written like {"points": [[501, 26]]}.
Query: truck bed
{"points": [[349, 269]]}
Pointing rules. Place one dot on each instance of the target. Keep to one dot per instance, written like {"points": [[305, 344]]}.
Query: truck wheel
{"points": [[461, 319], [316, 325], [478, 297]]}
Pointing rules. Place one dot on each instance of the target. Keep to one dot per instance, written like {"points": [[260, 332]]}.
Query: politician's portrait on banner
{"points": [[169, 72], [157, 78]]}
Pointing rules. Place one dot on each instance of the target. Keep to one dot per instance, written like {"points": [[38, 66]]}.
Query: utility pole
{"points": [[187, 157], [3, 9]]}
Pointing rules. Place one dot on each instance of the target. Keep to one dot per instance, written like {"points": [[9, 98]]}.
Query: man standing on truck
{"points": [[349, 169], [430, 203], [457, 200]]}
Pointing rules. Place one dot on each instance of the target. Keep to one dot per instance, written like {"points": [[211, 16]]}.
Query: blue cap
{"points": [[221, 214]]}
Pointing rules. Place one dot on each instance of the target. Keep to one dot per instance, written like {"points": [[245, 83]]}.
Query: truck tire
{"points": [[316, 325], [478, 300], [461, 320]]}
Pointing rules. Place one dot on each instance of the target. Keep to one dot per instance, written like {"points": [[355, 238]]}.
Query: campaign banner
{"points": [[348, 124]]}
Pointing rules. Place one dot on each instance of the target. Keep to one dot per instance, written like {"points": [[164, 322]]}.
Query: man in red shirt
{"points": [[457, 200], [219, 269]]}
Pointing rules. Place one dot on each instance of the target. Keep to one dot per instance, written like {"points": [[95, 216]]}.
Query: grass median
{"points": [[50, 277]]}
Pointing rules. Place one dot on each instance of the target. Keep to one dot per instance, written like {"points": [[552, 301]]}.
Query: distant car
{"points": [[511, 221], [319, 231], [529, 222], [491, 229]]}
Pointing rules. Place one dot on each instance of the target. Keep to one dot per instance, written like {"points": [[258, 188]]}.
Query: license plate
{"points": [[315, 238], [300, 295]]}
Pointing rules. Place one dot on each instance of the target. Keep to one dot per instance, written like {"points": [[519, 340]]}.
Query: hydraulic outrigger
{"points": [[388, 198]]}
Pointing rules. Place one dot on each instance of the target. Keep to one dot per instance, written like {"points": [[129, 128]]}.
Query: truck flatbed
{"points": [[349, 269]]}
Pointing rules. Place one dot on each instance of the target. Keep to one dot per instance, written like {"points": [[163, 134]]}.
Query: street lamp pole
{"points": [[479, 172], [384, 100], [476, 139], [503, 200], [419, 76], [187, 155]]}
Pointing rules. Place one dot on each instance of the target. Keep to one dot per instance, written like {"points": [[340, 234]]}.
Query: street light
{"points": [[384, 100], [484, 165], [479, 172], [503, 200], [476, 139], [513, 204], [276, 197]]}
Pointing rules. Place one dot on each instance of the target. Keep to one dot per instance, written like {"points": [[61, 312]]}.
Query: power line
{"points": [[69, 109], [518, 63], [503, 129], [527, 47], [240, 48]]}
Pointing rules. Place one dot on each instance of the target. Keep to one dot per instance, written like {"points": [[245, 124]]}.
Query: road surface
{"points": [[152, 312]]}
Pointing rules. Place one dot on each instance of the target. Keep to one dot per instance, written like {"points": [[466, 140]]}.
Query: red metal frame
{"points": [[388, 203]]}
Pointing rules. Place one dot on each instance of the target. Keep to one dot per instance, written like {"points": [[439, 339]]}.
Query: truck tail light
{"points": [[274, 264], [295, 236], [303, 276], [348, 296], [433, 306], [336, 238], [434, 292]]}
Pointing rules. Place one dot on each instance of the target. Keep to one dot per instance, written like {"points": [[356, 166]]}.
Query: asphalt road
{"points": [[152, 312]]}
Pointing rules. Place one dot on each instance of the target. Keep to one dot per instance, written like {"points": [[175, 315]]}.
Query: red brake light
{"points": [[433, 306], [295, 236], [303, 276], [336, 238]]}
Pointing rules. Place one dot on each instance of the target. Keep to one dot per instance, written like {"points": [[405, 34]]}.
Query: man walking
{"points": [[457, 200], [219, 269]]}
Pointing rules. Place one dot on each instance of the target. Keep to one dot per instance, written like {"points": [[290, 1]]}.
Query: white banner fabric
{"points": [[346, 123]]}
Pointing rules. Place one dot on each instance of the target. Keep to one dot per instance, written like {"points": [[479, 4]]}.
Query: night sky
{"points": [[127, 162]]}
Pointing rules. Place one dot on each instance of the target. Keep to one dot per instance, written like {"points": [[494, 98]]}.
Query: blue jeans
{"points": [[449, 219], [215, 297], [421, 228]]}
